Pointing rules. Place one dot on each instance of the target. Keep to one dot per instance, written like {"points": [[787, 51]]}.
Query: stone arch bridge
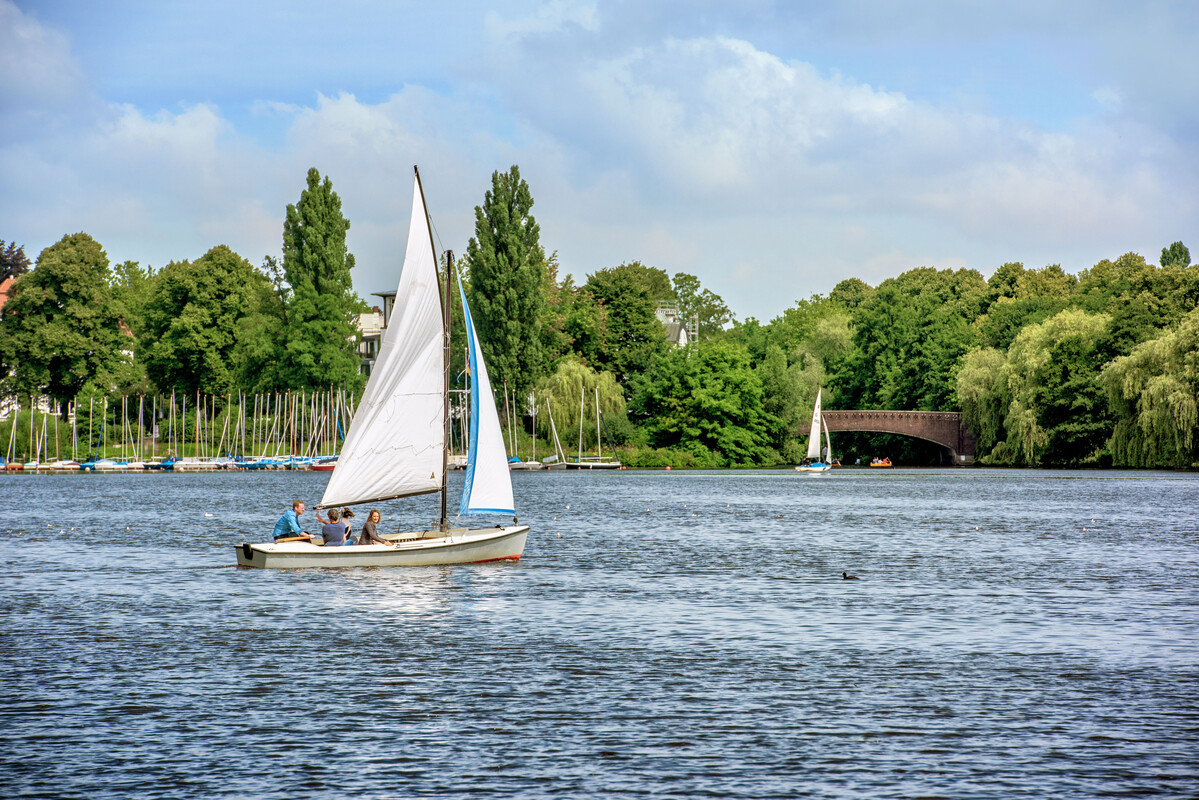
{"points": [[944, 428]]}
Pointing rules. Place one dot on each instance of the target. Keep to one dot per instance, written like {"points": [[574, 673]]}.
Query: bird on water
{"points": [[848, 577]]}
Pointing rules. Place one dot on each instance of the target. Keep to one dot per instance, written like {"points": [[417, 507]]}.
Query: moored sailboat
{"points": [[598, 461], [398, 443], [814, 462]]}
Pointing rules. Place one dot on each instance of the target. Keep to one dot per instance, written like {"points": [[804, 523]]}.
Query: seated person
{"points": [[334, 530], [287, 529], [369, 533]]}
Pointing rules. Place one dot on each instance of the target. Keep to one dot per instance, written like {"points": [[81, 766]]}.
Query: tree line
{"points": [[1049, 368]]}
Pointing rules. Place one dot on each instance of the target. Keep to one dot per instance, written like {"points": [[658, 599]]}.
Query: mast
{"points": [[599, 445], [445, 322], [445, 439]]}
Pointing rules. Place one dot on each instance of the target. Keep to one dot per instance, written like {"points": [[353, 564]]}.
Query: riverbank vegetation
{"points": [[1099, 368]]}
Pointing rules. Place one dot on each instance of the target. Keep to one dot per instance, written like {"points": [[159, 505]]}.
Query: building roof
{"points": [[4, 288]]}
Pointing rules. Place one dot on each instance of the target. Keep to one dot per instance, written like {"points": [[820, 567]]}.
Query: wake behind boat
{"points": [[398, 443]]}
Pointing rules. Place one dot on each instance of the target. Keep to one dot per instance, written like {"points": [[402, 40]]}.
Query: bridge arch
{"points": [[944, 428]]}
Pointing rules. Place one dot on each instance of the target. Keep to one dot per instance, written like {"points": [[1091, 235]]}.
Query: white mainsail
{"points": [[395, 443], [487, 488], [814, 434]]}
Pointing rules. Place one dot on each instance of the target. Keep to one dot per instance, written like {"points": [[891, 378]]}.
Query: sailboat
{"points": [[398, 443], [597, 461], [813, 462], [558, 459]]}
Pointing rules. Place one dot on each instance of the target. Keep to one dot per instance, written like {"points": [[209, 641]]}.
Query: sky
{"points": [[770, 148]]}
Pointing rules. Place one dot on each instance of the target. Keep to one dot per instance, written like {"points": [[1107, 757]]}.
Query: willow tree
{"points": [[1058, 412], [319, 336], [1154, 393], [507, 268], [982, 395], [573, 387]]}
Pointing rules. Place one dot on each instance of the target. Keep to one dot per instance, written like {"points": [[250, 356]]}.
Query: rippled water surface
{"points": [[667, 634]]}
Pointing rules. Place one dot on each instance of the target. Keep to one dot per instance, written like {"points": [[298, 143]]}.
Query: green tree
{"points": [[191, 321], [559, 297], [653, 280], [319, 339], [61, 325], [1154, 396], [586, 325], [909, 336], [982, 395], [705, 398], [1143, 300], [13, 261], [508, 279], [1022, 297], [695, 302], [753, 336], [632, 334], [1176, 255], [851, 293], [1057, 413], [131, 289], [256, 348], [783, 398], [572, 386]]}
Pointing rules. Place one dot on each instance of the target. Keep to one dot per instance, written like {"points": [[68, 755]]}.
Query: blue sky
{"points": [[770, 148]]}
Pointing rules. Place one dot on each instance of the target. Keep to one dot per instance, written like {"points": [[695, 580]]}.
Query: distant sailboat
{"points": [[814, 462], [398, 443], [558, 459], [597, 461]]}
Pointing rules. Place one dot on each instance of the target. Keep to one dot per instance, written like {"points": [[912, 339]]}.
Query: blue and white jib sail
{"points": [[488, 485]]}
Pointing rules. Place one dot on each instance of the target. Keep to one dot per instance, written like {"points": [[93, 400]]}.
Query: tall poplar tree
{"points": [[507, 268], [319, 337]]}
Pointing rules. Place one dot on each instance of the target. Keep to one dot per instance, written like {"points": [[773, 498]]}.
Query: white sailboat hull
{"points": [[418, 549], [814, 468]]}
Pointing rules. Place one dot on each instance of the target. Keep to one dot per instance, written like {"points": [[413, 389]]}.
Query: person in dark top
{"points": [[369, 534], [334, 530], [346, 514]]}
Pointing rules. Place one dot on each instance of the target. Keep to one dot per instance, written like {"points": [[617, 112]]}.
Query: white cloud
{"points": [[549, 17], [759, 170], [35, 61]]}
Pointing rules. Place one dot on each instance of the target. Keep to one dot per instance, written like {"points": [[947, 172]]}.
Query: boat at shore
{"points": [[593, 462], [398, 442], [880, 462], [597, 461]]}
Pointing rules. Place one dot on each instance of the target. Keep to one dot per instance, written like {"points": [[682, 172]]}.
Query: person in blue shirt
{"points": [[288, 526]]}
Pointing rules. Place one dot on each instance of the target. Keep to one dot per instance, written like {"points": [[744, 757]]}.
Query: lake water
{"points": [[667, 634]]}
